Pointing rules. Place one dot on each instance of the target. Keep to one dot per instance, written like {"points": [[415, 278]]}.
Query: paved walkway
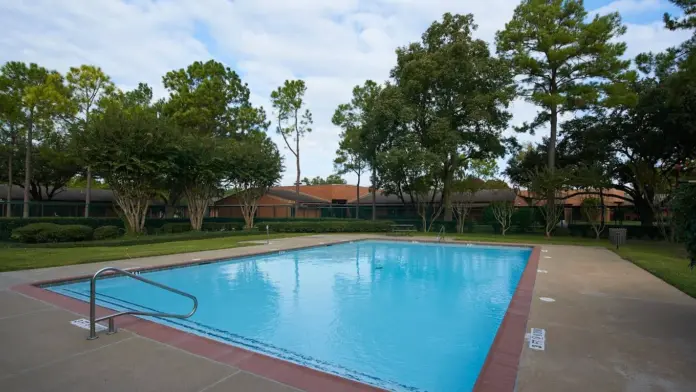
{"points": [[612, 327]]}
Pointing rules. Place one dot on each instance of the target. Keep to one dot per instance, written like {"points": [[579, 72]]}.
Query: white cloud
{"points": [[332, 45]]}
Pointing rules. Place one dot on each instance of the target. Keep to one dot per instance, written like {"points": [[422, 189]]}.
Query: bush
{"points": [[338, 226], [51, 232], [223, 226], [107, 232], [173, 228], [523, 219]]}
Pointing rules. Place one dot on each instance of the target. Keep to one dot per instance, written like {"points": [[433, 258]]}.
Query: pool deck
{"points": [[612, 327]]}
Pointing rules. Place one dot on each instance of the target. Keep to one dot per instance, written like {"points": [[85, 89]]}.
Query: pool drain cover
{"points": [[84, 324]]}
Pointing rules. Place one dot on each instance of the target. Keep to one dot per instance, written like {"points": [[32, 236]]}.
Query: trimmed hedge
{"points": [[51, 232], [151, 225], [336, 226], [183, 227], [107, 232]]}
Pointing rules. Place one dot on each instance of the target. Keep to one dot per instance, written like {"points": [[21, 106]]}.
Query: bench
{"points": [[403, 229]]}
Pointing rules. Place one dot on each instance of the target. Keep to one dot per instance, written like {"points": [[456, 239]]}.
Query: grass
{"points": [[668, 262], [12, 258]]}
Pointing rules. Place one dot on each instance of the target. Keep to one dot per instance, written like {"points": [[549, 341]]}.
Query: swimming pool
{"points": [[398, 315]]}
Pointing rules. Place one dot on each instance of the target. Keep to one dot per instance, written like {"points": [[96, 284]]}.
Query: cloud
{"points": [[332, 45]]}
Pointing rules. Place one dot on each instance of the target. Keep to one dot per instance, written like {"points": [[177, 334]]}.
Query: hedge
{"points": [[151, 225], [335, 226], [107, 232], [51, 232]]}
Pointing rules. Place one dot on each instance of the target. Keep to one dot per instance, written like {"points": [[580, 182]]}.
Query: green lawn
{"points": [[667, 261], [13, 258]]}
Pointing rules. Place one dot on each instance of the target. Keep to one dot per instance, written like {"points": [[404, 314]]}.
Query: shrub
{"points": [[223, 226], [338, 226], [51, 232], [107, 232], [172, 228], [523, 219]]}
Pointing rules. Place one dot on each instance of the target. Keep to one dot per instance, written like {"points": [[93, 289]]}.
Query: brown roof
{"points": [[574, 198], [483, 196], [329, 192]]}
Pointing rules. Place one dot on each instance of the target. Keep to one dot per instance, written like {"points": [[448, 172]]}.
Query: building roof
{"points": [[329, 192], [291, 195], [482, 196], [74, 195], [574, 198]]}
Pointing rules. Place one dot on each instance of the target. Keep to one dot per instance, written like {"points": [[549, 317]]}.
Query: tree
{"points": [[470, 180], [593, 210], [12, 85], [568, 62], [130, 146], [288, 101], [687, 21], [503, 211], [384, 116], [457, 94], [544, 182], [88, 84], [465, 189], [411, 173], [36, 99], [329, 180], [201, 164], [257, 166], [356, 148], [209, 100], [55, 162], [685, 217], [349, 159]]}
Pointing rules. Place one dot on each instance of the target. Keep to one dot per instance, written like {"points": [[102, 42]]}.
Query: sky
{"points": [[332, 45]]}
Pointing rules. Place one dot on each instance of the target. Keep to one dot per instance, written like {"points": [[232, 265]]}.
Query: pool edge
{"points": [[499, 371]]}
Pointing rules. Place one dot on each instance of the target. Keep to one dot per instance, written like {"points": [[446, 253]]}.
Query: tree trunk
{"points": [[88, 191], [297, 162], [357, 200], [446, 189], [27, 167], [647, 215], [9, 183], [374, 195]]}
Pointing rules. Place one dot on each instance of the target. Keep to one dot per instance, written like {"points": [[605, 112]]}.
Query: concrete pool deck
{"points": [[612, 327]]}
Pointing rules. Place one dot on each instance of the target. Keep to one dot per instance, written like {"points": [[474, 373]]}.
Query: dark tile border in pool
{"points": [[499, 372]]}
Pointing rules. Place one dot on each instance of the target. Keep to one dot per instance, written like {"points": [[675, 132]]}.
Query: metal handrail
{"points": [[93, 320], [441, 234]]}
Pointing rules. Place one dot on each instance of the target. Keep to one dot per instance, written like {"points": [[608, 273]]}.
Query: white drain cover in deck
{"points": [[84, 324]]}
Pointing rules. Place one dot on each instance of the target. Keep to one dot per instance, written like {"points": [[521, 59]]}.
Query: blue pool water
{"points": [[397, 315]]}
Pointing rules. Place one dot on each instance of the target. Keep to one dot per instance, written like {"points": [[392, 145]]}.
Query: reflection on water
{"points": [[395, 314]]}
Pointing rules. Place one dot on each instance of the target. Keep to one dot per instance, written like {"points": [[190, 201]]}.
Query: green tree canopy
{"points": [[292, 123], [329, 180], [130, 145], [568, 63]]}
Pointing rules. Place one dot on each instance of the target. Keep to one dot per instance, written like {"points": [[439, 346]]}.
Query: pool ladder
{"points": [[441, 234], [93, 320]]}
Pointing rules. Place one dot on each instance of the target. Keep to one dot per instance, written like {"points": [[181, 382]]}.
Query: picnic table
{"points": [[403, 228]]}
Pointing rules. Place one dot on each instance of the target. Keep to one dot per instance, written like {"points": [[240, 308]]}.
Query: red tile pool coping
{"points": [[499, 372]]}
